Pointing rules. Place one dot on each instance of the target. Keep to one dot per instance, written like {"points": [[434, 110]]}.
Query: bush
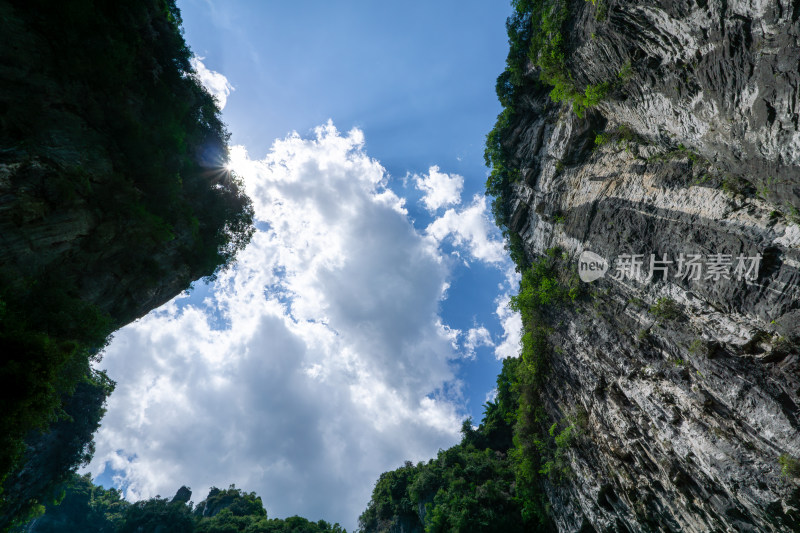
{"points": [[546, 285], [698, 347], [790, 466], [667, 309]]}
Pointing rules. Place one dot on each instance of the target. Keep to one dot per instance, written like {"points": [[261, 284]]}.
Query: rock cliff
{"points": [[114, 197], [111, 164], [689, 384]]}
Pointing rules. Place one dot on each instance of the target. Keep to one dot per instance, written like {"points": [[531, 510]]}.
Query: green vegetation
{"points": [[499, 183], [789, 212], [698, 347], [545, 288], [602, 9], [601, 139], [472, 486], [625, 73], [793, 214], [50, 458], [87, 508], [492, 480], [102, 121], [735, 186], [49, 337], [622, 135], [536, 36], [679, 152], [638, 302], [546, 50], [557, 467], [545, 285], [666, 309], [790, 466]]}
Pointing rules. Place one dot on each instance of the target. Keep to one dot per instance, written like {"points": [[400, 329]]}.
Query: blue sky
{"points": [[367, 318], [417, 78]]}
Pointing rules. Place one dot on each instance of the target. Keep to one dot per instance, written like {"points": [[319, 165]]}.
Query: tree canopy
{"points": [[88, 508]]}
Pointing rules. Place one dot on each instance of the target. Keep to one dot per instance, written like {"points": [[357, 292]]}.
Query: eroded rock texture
{"points": [[687, 413]]}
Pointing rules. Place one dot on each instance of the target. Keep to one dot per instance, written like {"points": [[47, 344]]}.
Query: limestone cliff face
{"points": [[688, 410]]}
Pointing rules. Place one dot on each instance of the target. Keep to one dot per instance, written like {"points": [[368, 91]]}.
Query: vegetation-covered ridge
{"points": [[114, 197], [537, 61], [87, 508], [493, 480]]}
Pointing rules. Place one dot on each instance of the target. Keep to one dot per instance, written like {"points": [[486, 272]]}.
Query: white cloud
{"points": [[214, 82], [512, 329], [320, 361], [491, 395], [476, 337], [451, 334], [472, 228], [440, 189]]}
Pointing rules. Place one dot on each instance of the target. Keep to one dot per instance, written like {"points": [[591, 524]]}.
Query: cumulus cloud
{"points": [[472, 228], [476, 337], [440, 189], [214, 82], [511, 323], [491, 395], [320, 360]]}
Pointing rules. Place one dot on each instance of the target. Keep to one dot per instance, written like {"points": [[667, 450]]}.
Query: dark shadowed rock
{"points": [[183, 495]]}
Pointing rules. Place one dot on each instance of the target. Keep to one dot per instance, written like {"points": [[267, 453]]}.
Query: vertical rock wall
{"points": [[690, 386]]}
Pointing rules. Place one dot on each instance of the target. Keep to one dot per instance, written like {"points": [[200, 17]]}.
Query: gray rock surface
{"points": [[688, 415]]}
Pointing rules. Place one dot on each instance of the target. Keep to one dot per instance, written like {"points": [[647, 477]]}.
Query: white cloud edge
{"points": [[440, 188], [214, 82]]}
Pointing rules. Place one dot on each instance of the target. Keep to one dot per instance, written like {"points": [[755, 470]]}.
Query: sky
{"points": [[368, 317]]}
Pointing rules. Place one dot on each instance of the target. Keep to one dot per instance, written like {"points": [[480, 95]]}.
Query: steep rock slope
{"points": [[114, 197], [111, 156], [689, 387]]}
